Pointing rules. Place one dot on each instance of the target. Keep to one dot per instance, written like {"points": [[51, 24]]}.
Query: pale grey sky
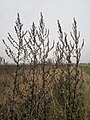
{"points": [[29, 10]]}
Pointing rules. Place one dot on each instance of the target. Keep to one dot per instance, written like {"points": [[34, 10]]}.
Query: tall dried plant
{"points": [[16, 54], [54, 90], [70, 78]]}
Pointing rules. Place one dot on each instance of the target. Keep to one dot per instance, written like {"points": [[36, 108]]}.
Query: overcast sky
{"points": [[29, 10]]}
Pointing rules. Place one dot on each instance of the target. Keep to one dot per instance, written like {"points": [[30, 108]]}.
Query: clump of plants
{"points": [[42, 88]]}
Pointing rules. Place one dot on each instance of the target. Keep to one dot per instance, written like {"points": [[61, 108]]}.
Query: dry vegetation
{"points": [[35, 88]]}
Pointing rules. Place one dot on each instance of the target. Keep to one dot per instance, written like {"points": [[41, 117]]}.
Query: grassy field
{"points": [[86, 68], [7, 75]]}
